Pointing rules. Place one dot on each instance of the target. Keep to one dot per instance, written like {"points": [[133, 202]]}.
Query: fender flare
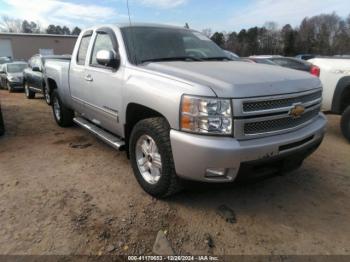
{"points": [[342, 86]]}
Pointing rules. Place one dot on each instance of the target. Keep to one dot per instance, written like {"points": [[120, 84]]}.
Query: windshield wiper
{"points": [[177, 58]]}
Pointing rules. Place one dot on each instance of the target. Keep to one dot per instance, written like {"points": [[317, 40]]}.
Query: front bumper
{"points": [[195, 154], [16, 85]]}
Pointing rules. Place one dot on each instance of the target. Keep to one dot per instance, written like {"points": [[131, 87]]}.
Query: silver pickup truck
{"points": [[182, 109]]}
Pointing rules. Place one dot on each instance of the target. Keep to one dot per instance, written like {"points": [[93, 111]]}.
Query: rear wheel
{"points": [[152, 159], [47, 96], [29, 93], [345, 123], [63, 115]]}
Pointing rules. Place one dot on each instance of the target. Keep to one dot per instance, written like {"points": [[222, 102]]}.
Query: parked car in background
{"points": [[335, 78], [184, 110], [289, 62], [297, 64], [2, 74], [34, 76], [11, 75], [5, 59], [2, 125], [258, 60], [231, 55], [305, 56], [342, 56]]}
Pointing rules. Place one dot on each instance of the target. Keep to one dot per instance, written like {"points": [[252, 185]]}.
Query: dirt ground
{"points": [[62, 191]]}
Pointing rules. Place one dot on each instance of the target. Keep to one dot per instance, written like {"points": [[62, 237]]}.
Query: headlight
{"points": [[206, 115], [13, 79]]}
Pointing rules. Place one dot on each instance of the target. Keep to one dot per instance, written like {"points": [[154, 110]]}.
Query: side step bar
{"points": [[105, 136]]}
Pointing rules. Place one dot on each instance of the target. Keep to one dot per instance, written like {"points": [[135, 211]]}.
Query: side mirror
{"points": [[36, 69], [108, 58]]}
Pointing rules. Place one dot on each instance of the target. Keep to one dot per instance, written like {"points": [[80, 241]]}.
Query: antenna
{"points": [[128, 7], [132, 38]]}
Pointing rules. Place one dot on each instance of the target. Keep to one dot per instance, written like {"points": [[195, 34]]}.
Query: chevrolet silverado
{"points": [[181, 108]]}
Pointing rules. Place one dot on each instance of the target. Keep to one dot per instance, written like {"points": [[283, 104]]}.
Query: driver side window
{"points": [[103, 42]]}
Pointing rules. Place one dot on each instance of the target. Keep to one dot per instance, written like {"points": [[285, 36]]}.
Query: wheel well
{"points": [[341, 96], [51, 84], [134, 114], [345, 99]]}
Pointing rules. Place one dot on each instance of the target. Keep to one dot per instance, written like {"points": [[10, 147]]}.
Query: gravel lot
{"points": [[62, 191]]}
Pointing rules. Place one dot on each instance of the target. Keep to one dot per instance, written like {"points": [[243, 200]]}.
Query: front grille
{"points": [[279, 103], [273, 125]]}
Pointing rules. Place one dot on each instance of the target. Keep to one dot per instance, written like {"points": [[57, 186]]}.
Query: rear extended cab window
{"points": [[83, 49]]}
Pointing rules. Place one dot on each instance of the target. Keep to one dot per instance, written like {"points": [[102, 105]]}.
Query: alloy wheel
{"points": [[148, 159], [57, 109]]}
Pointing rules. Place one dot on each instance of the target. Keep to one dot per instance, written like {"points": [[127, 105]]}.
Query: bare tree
{"points": [[10, 25], [207, 32]]}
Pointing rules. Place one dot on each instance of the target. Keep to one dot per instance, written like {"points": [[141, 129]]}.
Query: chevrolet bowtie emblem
{"points": [[297, 111]]}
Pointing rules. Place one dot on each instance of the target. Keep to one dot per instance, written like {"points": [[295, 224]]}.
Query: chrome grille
{"points": [[279, 103], [264, 116], [279, 124]]}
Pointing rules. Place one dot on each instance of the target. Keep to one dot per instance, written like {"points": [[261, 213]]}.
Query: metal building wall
{"points": [[25, 46]]}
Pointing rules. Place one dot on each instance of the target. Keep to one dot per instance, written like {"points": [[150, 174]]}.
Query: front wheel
{"points": [[152, 159], [63, 115], [9, 88], [345, 123], [29, 93]]}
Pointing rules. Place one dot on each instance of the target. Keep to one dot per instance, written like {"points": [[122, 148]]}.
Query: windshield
{"points": [[4, 60], [166, 44], [16, 68]]}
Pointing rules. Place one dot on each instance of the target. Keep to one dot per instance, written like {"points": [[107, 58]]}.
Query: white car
{"points": [[335, 78]]}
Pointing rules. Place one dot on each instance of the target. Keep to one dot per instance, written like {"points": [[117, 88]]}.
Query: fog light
{"points": [[223, 173], [215, 172]]}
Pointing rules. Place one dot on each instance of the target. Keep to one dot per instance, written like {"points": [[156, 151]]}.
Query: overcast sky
{"points": [[227, 15]]}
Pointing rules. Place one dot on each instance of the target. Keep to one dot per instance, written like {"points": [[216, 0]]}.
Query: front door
{"points": [[79, 86], [105, 99], [34, 78]]}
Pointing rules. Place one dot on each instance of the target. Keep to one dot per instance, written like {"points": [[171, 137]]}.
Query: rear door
{"points": [[79, 86], [105, 99]]}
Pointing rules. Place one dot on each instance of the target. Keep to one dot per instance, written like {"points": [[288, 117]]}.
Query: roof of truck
{"points": [[125, 25]]}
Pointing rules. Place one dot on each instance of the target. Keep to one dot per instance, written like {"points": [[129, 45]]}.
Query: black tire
{"points": [[64, 116], [29, 93], [345, 123], [158, 129], [2, 126]]}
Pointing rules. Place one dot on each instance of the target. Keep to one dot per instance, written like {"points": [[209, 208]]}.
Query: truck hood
{"points": [[238, 79], [19, 75]]}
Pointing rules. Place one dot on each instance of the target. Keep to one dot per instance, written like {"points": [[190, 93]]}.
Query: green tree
{"points": [[219, 39], [76, 31], [51, 29], [288, 38], [65, 30]]}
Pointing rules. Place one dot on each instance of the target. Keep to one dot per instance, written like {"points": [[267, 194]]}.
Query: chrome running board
{"points": [[105, 136]]}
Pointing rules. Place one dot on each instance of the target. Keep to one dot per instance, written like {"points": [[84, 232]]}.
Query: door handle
{"points": [[88, 78]]}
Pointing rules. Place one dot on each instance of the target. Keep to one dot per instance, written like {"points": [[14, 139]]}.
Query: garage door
{"points": [[6, 47]]}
